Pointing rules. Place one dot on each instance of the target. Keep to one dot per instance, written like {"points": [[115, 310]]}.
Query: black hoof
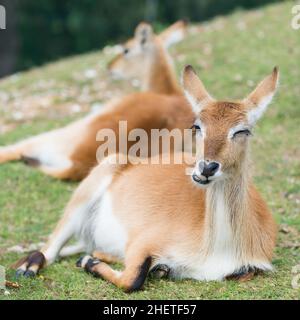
{"points": [[31, 162], [29, 274], [244, 274], [19, 273], [25, 273], [88, 263], [79, 261], [160, 271], [30, 265]]}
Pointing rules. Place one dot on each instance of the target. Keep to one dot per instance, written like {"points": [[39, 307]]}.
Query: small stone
{"points": [[136, 83], [18, 115], [250, 83], [90, 74], [17, 249], [75, 108]]}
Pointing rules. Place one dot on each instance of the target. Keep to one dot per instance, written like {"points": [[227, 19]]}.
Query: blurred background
{"points": [[46, 30]]}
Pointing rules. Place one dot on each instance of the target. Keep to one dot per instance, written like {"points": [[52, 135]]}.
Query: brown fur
{"points": [[186, 220], [104, 257], [167, 217], [144, 110], [141, 110], [188, 211]]}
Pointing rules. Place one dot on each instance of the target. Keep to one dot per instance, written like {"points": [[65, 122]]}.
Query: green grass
{"points": [[230, 53]]}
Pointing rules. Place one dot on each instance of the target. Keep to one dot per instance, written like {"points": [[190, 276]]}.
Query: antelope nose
{"points": [[209, 169]]}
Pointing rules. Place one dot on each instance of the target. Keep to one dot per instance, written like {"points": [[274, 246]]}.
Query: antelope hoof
{"points": [[29, 266], [87, 263], [244, 274], [31, 162], [160, 271]]}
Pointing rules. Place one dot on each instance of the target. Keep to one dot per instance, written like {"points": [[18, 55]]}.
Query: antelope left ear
{"points": [[174, 33], [143, 33], [194, 90], [261, 97]]}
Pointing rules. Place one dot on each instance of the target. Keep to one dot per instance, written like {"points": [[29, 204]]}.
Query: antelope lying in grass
{"points": [[70, 152], [210, 227]]}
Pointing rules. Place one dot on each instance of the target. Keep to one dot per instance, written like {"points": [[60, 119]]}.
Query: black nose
{"points": [[210, 169]]}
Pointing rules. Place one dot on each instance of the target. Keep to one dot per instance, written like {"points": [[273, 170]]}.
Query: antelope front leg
{"points": [[10, 153], [65, 229], [132, 278], [69, 225], [105, 257], [160, 271], [30, 265]]}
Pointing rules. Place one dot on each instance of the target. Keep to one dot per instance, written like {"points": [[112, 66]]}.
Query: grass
{"points": [[231, 54]]}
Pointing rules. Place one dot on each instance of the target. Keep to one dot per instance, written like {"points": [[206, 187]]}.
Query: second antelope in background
{"points": [[150, 62], [70, 152], [209, 226]]}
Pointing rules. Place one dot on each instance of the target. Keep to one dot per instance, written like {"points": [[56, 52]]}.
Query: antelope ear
{"points": [[174, 34], [143, 33], [194, 90], [260, 98]]}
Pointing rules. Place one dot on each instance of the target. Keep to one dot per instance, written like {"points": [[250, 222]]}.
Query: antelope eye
{"points": [[126, 51], [242, 132], [196, 128]]}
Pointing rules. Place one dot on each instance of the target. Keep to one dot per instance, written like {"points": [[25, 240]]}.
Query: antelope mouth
{"points": [[197, 179]]}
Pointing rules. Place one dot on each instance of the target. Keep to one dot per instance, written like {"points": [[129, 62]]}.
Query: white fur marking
{"points": [[173, 38], [222, 259], [75, 223], [85, 261], [72, 249], [196, 106], [256, 113], [109, 235]]}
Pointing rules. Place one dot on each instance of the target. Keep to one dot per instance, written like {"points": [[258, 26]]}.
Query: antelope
{"points": [[213, 225], [69, 153], [157, 74]]}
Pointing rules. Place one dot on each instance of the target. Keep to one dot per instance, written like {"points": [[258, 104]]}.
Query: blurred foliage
{"points": [[50, 29]]}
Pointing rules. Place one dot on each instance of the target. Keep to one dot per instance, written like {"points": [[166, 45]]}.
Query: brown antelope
{"points": [[70, 152], [212, 226], [157, 73]]}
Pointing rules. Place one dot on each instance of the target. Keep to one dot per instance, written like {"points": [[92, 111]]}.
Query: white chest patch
{"points": [[109, 235], [222, 258]]}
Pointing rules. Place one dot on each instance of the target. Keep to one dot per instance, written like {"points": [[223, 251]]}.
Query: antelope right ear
{"points": [[194, 90], [174, 34], [260, 98], [143, 33]]}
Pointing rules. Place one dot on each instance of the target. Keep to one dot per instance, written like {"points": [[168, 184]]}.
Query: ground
{"points": [[231, 54]]}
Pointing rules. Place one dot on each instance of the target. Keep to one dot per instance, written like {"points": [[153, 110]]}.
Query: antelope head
{"points": [[223, 128], [137, 53]]}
